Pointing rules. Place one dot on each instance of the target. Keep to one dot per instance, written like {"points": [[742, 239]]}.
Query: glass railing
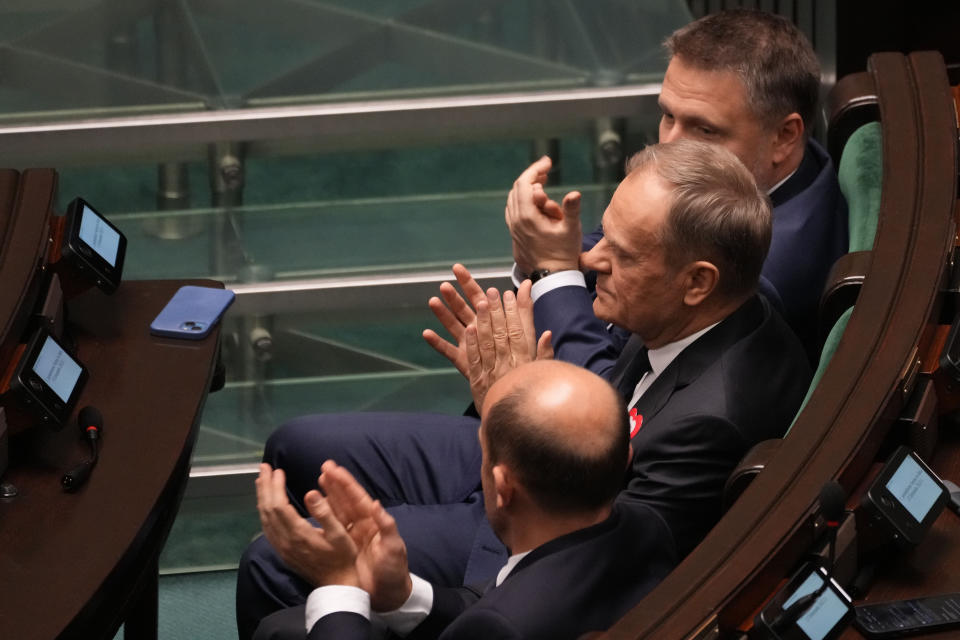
{"points": [[329, 160], [98, 58]]}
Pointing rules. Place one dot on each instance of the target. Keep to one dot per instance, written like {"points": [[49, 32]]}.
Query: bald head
{"points": [[562, 430]]}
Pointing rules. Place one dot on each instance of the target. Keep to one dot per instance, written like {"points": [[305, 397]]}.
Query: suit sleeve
{"points": [[448, 605], [579, 337], [342, 625], [481, 624]]}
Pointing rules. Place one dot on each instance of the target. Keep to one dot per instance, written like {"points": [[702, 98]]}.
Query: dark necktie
{"points": [[639, 364]]}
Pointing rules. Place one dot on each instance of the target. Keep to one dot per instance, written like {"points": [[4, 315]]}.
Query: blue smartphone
{"points": [[191, 313]]}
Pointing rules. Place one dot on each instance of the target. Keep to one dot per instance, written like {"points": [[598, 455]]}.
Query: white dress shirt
{"points": [[323, 601]]}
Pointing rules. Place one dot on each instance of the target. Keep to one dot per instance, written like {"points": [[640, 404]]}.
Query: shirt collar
{"points": [[507, 568], [661, 357], [780, 184]]}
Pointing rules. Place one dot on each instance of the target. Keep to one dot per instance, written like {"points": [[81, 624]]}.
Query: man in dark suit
{"points": [[554, 442], [748, 81], [709, 371]]}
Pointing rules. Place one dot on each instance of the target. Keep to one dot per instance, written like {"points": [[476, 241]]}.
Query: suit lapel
{"points": [[695, 359], [630, 349], [656, 396]]}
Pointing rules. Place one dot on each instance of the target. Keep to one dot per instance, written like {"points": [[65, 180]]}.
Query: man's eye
{"points": [[706, 131]]}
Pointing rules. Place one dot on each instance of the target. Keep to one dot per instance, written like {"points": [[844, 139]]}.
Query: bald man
{"points": [[554, 444]]}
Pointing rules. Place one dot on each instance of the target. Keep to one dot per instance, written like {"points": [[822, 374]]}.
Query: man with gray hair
{"points": [[709, 370], [745, 80]]}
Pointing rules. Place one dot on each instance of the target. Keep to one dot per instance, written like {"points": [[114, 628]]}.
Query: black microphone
{"points": [[74, 479], [833, 500], [832, 506], [91, 423]]}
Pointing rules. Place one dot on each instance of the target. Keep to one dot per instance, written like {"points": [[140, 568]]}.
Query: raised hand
{"points": [[454, 313], [502, 339], [381, 561], [321, 556], [545, 234]]}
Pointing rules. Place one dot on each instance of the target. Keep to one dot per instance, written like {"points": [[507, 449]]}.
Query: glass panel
{"points": [[400, 224], [98, 57]]}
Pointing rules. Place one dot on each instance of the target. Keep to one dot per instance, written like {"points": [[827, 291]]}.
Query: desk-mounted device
{"points": [[88, 249], [902, 503], [43, 381], [811, 606]]}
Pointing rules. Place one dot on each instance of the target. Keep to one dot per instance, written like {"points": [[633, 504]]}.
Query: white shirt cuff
{"points": [[335, 598], [556, 280], [517, 276], [412, 612]]}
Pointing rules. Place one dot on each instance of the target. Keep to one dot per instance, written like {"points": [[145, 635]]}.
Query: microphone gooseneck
{"points": [[91, 422], [832, 506]]}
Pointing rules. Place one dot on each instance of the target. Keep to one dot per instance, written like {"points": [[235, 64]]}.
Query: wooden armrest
{"points": [[747, 469], [852, 102], [843, 286]]}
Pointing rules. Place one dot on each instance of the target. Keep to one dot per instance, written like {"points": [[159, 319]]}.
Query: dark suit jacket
{"points": [[810, 232], [738, 384], [580, 582]]}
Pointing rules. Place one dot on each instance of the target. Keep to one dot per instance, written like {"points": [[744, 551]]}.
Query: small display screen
{"points": [[825, 612], [57, 369], [99, 236], [913, 488]]}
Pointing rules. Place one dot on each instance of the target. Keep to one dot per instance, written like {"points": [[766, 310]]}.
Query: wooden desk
{"points": [[930, 568], [78, 565]]}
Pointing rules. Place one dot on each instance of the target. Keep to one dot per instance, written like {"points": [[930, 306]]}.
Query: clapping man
{"points": [[554, 445]]}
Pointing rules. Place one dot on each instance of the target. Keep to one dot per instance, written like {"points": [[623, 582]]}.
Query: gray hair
{"points": [[717, 212]]}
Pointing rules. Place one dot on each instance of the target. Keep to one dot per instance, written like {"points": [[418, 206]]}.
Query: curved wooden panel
{"points": [[23, 245]]}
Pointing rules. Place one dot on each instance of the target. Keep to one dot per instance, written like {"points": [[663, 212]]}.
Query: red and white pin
{"points": [[636, 421]]}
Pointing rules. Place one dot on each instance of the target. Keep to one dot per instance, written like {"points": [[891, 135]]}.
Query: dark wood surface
{"points": [[932, 567], [74, 565]]}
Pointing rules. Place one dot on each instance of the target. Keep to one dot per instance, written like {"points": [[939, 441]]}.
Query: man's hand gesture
{"points": [[381, 561], [455, 315], [545, 234], [502, 338], [357, 543], [321, 556]]}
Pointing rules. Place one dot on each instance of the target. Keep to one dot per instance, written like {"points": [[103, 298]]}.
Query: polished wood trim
{"points": [[22, 249], [851, 103]]}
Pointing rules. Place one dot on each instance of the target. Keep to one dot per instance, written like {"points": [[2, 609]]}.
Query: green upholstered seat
{"points": [[826, 354], [861, 179]]}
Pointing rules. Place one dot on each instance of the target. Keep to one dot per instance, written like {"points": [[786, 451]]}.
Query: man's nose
{"points": [[670, 134], [583, 259], [592, 259]]}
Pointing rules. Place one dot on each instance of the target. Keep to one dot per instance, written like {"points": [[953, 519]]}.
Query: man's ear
{"points": [[700, 280], [789, 136], [503, 485]]}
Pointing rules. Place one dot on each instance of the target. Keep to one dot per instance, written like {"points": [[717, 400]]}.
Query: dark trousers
{"points": [[424, 468]]}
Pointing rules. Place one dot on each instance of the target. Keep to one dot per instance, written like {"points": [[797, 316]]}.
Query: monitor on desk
{"points": [[47, 380]]}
